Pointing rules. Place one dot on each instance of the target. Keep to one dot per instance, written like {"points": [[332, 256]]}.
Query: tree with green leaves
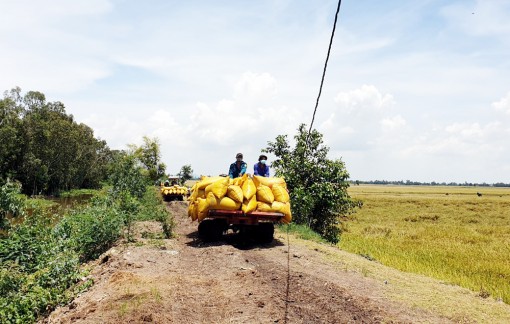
{"points": [[45, 148], [10, 135], [317, 185], [149, 155], [185, 174]]}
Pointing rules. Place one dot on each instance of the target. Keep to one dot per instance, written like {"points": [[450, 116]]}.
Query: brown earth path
{"points": [[184, 280]]}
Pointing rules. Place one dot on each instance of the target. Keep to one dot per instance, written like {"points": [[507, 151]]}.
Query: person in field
{"points": [[238, 168], [261, 168]]}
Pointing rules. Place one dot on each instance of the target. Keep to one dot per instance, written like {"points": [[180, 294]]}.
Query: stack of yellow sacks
{"points": [[244, 193], [174, 190]]}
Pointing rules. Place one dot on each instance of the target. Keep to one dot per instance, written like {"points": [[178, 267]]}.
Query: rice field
{"points": [[449, 233]]}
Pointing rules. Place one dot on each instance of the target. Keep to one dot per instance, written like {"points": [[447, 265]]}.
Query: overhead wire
{"points": [[324, 70], [287, 293]]}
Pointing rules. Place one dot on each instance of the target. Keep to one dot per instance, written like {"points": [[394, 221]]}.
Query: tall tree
{"points": [[149, 155], [186, 173], [10, 134], [317, 185], [45, 148]]}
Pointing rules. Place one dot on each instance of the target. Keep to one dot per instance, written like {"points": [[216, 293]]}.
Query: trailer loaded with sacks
{"points": [[245, 205], [171, 191]]}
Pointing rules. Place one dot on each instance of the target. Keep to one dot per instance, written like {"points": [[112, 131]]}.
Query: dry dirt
{"points": [[183, 280]]}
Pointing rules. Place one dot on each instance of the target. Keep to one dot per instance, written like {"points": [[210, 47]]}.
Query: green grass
{"points": [[78, 192], [301, 231], [32, 203], [449, 233]]}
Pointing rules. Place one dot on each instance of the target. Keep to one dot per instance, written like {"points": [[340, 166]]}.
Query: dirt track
{"points": [[183, 280]]}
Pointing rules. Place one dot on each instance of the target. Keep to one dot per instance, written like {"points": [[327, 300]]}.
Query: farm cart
{"points": [[256, 223], [171, 191]]}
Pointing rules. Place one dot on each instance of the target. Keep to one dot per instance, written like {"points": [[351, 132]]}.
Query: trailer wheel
{"points": [[265, 232], [210, 230]]}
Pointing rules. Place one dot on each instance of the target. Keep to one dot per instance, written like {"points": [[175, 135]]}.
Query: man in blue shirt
{"points": [[261, 168], [238, 168]]}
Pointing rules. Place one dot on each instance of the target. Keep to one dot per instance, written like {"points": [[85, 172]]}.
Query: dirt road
{"points": [[183, 280]]}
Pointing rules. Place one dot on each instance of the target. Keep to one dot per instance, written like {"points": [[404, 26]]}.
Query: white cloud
{"points": [[255, 85], [367, 99], [393, 123], [503, 104]]}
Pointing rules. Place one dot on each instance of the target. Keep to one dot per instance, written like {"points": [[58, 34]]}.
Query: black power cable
{"points": [[287, 292], [324, 71]]}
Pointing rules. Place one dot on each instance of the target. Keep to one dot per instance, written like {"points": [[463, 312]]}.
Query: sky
{"points": [[414, 90]]}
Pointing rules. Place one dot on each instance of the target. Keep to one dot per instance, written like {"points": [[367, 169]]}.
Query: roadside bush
{"points": [[92, 230], [317, 185], [152, 208], [36, 269], [11, 201], [40, 258]]}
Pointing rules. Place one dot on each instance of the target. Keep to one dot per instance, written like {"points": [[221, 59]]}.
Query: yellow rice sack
{"points": [[269, 181], [194, 193], [211, 200], [264, 207], [249, 205], [224, 203], [249, 189], [218, 188], [193, 211], [203, 208], [283, 208], [239, 180], [280, 193], [265, 194], [190, 209], [235, 193], [205, 181]]}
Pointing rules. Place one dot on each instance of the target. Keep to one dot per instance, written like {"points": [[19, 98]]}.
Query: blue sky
{"points": [[414, 90]]}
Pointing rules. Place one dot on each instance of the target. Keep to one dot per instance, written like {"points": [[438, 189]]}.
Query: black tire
{"points": [[265, 232], [210, 230]]}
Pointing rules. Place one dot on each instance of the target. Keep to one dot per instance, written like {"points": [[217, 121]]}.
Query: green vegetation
{"points": [[45, 149], [149, 156], [185, 174], [301, 231], [40, 258], [10, 202], [316, 184], [78, 192], [449, 233]]}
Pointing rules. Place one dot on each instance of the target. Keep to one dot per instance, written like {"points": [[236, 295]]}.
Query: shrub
{"points": [[152, 208], [10, 202], [92, 230], [317, 185]]}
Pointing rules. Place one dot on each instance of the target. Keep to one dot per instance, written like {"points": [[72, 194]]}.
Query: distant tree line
{"points": [[45, 149], [433, 183]]}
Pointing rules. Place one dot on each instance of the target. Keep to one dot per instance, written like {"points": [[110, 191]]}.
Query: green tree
{"points": [[44, 148], [185, 174], [317, 185], [127, 176], [10, 134], [149, 155]]}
